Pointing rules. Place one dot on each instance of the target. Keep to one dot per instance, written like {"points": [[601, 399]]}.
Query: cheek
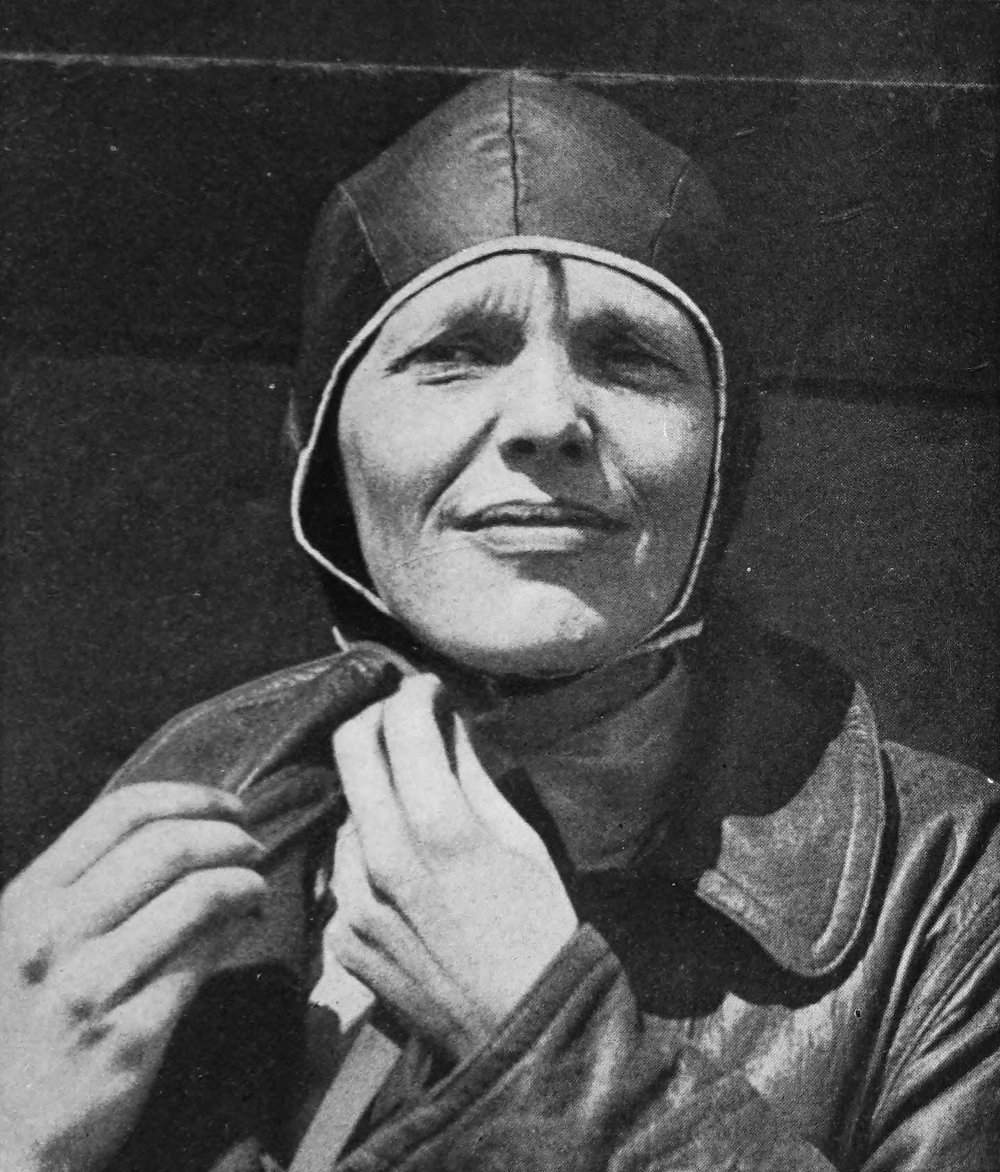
{"points": [[398, 452], [667, 460], [380, 484], [669, 475]]}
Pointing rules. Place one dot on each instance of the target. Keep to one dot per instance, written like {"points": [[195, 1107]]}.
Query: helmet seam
{"points": [[365, 233], [679, 183], [515, 183], [672, 203]]}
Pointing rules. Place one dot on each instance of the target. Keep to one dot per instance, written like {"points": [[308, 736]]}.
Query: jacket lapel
{"points": [[781, 815]]}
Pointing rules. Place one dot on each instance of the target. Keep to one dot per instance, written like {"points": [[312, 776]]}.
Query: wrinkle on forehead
{"points": [[504, 290], [516, 294]]}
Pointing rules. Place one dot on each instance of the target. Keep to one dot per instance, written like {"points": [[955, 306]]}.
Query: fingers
{"points": [[151, 1013], [146, 863], [204, 905], [117, 815], [360, 910], [366, 938], [44, 919], [396, 771], [480, 791], [398, 782], [362, 928], [422, 775], [381, 948], [364, 774], [138, 1026], [350, 877]]}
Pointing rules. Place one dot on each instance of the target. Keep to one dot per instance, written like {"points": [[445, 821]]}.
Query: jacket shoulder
{"points": [[235, 739], [927, 785], [949, 827]]}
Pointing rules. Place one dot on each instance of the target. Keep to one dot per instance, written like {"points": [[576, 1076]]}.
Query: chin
{"points": [[532, 662], [534, 644]]}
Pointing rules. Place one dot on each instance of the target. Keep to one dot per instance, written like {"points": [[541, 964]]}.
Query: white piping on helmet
{"points": [[657, 637]]}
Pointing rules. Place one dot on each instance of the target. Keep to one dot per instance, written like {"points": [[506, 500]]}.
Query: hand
{"points": [[104, 940], [448, 905]]}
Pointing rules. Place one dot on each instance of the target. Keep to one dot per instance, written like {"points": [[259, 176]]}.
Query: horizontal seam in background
{"points": [[610, 76]]}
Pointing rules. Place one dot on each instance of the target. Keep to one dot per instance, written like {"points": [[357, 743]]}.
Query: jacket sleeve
{"points": [[939, 1103], [579, 1080]]}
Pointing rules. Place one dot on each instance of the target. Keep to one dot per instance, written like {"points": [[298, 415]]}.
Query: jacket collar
{"points": [[779, 813], [782, 812]]}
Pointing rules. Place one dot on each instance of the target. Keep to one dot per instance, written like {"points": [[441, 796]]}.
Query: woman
{"points": [[637, 886]]}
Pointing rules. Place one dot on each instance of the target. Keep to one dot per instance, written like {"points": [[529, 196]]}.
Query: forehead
{"points": [[526, 286]]}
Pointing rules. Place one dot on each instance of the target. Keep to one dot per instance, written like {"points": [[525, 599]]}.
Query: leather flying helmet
{"points": [[515, 163]]}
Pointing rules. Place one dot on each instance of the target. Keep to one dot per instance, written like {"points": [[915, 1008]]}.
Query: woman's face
{"points": [[528, 445]]}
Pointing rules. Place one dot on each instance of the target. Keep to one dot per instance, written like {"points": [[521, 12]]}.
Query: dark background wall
{"points": [[161, 171]]}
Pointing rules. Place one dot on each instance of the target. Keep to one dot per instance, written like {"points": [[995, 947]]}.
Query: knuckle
{"points": [[340, 939], [200, 893], [388, 874], [427, 823], [232, 842], [28, 938], [445, 837], [171, 844], [360, 912], [371, 918], [76, 1001], [80, 1008], [34, 962], [349, 953], [138, 1033]]}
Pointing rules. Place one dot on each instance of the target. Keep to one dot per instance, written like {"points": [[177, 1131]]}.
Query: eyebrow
{"points": [[483, 315], [642, 329], [492, 311]]}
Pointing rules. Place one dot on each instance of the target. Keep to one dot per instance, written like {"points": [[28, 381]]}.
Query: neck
{"points": [[599, 751]]}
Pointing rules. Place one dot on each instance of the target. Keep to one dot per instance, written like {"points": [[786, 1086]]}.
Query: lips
{"points": [[541, 514]]}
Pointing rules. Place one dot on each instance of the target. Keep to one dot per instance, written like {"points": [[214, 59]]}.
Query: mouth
{"points": [[556, 514]]}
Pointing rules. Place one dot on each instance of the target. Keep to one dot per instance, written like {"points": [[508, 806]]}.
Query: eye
{"points": [[629, 352], [446, 361], [627, 362]]}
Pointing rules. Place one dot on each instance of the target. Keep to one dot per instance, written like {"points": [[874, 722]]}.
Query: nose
{"points": [[543, 409]]}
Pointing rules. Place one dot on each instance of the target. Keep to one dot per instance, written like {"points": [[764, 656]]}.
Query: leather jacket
{"points": [[801, 971]]}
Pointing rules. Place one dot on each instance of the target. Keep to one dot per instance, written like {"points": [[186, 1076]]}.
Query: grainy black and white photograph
{"points": [[500, 586]]}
